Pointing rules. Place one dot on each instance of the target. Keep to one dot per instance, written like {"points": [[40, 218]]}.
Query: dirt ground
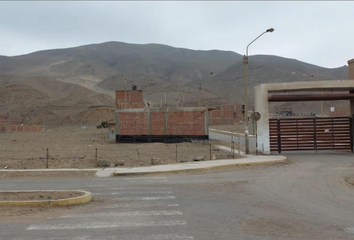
{"points": [[350, 180], [61, 174], [44, 195], [74, 147]]}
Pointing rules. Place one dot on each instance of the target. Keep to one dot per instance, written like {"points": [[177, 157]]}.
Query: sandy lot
{"points": [[73, 147]]}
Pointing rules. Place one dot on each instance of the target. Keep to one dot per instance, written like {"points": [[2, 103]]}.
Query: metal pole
{"points": [[47, 162], [176, 154], [233, 144], [96, 156], [245, 62], [199, 95], [233, 149], [239, 146], [256, 141], [125, 94], [200, 87], [210, 151]]}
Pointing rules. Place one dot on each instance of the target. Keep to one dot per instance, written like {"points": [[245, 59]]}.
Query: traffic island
{"points": [[44, 198]]}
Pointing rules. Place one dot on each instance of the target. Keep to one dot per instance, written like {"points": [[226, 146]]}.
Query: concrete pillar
{"points": [[261, 106], [351, 77], [351, 105]]}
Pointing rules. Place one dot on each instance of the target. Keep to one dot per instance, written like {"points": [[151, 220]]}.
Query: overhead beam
{"points": [[310, 97]]}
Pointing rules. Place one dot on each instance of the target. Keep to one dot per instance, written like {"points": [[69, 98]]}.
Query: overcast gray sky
{"points": [[321, 33]]}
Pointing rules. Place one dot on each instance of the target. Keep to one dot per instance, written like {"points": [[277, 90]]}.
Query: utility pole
{"points": [[245, 63], [200, 88], [125, 93]]}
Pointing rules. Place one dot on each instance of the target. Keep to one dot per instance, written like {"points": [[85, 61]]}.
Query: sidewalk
{"points": [[108, 172], [247, 160]]}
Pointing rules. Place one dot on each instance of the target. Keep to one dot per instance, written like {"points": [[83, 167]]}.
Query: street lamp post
{"points": [[200, 87], [245, 63]]}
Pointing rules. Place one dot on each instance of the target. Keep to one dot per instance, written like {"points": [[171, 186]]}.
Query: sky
{"points": [[317, 32]]}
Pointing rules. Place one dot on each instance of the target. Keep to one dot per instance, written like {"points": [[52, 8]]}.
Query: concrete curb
{"points": [[49, 203], [280, 160]]}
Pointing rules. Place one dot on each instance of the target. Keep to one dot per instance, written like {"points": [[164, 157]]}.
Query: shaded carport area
{"points": [[315, 133]]}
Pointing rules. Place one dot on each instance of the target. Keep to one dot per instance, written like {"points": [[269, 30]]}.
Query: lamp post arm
{"points": [[253, 42]]}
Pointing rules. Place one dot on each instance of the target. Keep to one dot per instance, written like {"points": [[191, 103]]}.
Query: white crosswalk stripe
{"points": [[100, 225], [141, 188], [125, 214], [151, 207], [146, 198], [129, 237], [139, 205], [138, 192]]}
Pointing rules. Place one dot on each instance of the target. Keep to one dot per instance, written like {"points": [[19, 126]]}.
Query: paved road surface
{"points": [[307, 199]]}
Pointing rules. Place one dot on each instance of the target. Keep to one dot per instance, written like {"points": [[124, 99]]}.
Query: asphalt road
{"points": [[306, 199]]}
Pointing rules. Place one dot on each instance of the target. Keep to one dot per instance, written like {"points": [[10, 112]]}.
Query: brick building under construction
{"points": [[136, 122]]}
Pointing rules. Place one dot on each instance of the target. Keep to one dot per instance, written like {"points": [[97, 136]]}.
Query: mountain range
{"points": [[66, 84]]}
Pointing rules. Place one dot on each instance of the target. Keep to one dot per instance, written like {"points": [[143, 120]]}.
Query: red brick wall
{"points": [[178, 123], [157, 123], [186, 123], [227, 114], [132, 99], [340, 111], [133, 123]]}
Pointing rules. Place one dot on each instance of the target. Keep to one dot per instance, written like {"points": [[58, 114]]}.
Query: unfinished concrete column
{"points": [[351, 77], [261, 106]]}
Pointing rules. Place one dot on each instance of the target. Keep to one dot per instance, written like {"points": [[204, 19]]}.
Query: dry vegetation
{"points": [[73, 147]]}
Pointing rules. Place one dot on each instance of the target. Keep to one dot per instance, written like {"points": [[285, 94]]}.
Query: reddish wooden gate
{"points": [[296, 134]]}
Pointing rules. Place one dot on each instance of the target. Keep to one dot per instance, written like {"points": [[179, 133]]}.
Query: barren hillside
{"points": [[62, 83]]}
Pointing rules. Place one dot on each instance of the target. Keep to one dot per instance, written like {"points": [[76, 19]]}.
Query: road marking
{"points": [[141, 188], [101, 225], [143, 178], [125, 214], [137, 204], [146, 198], [127, 237], [118, 193], [131, 179], [151, 192]]}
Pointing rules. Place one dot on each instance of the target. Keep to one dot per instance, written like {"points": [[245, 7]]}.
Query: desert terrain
{"points": [[75, 147]]}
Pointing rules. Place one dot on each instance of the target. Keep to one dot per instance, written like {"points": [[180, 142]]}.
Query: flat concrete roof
{"points": [[309, 86]]}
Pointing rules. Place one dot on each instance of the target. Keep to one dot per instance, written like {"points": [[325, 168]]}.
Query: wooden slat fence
{"points": [[299, 134]]}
